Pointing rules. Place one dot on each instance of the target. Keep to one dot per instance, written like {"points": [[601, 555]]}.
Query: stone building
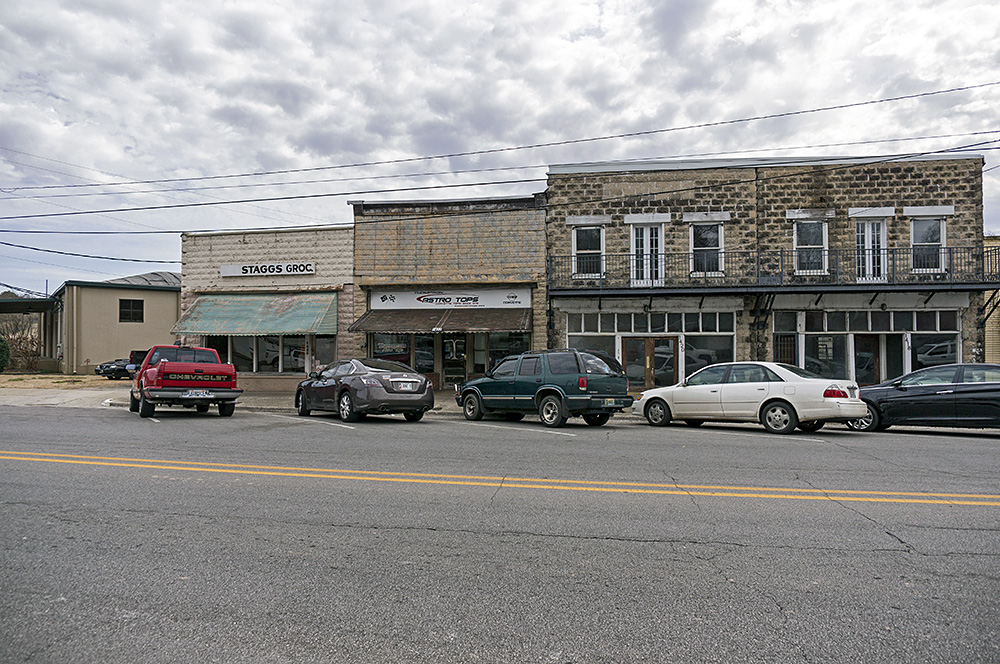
{"points": [[275, 303], [859, 268], [448, 287]]}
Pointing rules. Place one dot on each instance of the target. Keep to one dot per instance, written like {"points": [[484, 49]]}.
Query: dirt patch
{"points": [[56, 381]]}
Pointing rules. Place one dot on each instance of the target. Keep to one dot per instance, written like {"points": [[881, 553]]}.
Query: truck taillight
{"points": [[835, 392], [583, 382]]}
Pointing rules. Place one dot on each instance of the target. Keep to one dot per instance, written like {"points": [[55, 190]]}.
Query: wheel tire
{"points": [[227, 408], [133, 403], [550, 412], [146, 409], [472, 407], [779, 417], [345, 405], [597, 419], [201, 408], [300, 404], [809, 427], [414, 415], [657, 413], [513, 417], [870, 422], [694, 423]]}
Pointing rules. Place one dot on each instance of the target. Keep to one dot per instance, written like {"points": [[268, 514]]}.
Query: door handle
{"points": [[945, 392]]}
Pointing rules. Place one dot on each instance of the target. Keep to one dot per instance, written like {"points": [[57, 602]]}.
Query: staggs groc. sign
{"points": [[267, 269]]}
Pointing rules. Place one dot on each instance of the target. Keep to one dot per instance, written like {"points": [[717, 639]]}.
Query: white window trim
{"points": [[587, 275], [942, 252], [642, 280], [825, 248], [722, 253]]}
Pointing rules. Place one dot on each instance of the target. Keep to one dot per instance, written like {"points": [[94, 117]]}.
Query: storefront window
{"points": [[502, 344], [326, 350], [826, 355], [423, 353], [394, 347], [930, 350], [593, 342], [243, 353], [702, 350], [479, 353], [221, 346], [293, 352]]}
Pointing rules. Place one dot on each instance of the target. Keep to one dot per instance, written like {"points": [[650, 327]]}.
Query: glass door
{"points": [[453, 358], [867, 359], [650, 361], [871, 250]]}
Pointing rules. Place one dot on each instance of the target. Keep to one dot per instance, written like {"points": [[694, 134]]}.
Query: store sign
{"points": [[267, 269], [473, 298]]}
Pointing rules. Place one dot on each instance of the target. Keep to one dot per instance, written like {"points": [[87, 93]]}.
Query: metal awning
{"points": [[447, 320], [246, 315]]}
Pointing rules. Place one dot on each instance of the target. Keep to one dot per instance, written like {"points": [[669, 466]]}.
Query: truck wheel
{"points": [[227, 408], [133, 403], [597, 419], [472, 407], [146, 409], [300, 404], [347, 412], [550, 411]]}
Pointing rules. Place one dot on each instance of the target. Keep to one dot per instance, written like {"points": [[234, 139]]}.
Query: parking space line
{"points": [[500, 426], [309, 420]]}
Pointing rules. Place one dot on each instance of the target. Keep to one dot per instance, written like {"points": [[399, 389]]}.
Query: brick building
{"points": [[856, 268], [274, 303], [449, 287]]}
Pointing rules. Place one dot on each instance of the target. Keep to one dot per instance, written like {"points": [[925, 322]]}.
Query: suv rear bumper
{"points": [[597, 404]]}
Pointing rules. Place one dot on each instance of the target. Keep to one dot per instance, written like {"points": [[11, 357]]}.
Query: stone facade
{"points": [[757, 203]]}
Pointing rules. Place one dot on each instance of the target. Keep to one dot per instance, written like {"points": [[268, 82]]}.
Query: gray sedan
{"points": [[358, 387]]}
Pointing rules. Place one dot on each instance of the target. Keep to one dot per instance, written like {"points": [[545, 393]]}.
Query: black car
{"points": [[357, 387], [950, 395], [114, 370]]}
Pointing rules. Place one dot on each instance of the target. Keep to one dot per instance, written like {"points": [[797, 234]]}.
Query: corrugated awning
{"points": [[245, 315], [447, 320]]}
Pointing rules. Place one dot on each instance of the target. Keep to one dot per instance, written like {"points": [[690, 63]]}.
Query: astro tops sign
{"points": [[466, 298]]}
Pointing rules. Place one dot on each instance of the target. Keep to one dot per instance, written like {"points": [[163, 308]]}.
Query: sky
{"points": [[123, 123]]}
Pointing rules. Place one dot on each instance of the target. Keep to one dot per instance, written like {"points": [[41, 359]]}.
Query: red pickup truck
{"points": [[183, 376]]}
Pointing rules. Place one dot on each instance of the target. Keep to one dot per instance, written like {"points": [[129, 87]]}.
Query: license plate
{"points": [[196, 394], [611, 403]]}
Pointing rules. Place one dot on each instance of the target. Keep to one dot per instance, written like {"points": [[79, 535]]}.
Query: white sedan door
{"points": [[701, 395], [745, 388]]}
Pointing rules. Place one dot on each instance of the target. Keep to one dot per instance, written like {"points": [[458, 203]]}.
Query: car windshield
{"points": [[799, 371], [385, 365]]}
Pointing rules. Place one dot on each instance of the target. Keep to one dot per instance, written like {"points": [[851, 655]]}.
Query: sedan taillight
{"points": [[835, 392]]}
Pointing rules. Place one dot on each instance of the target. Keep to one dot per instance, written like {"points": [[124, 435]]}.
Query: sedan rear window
{"points": [[385, 365]]}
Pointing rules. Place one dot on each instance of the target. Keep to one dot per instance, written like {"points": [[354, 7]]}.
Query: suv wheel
{"points": [[597, 419], [550, 411], [472, 406]]}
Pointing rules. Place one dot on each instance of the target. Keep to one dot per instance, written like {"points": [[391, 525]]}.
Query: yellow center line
{"points": [[785, 493]]}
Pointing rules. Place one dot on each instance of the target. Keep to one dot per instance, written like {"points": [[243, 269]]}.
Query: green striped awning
{"points": [[246, 315]]}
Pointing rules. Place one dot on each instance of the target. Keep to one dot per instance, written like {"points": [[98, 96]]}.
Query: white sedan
{"points": [[779, 396]]}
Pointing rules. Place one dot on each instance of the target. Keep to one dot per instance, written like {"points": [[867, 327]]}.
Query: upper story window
{"points": [[646, 233], [810, 240], [871, 256], [130, 311], [927, 236], [588, 245], [706, 242]]}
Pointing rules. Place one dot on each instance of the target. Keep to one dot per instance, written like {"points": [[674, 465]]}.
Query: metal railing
{"points": [[803, 267]]}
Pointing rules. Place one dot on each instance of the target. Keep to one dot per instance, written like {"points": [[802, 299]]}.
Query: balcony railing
{"points": [[765, 269]]}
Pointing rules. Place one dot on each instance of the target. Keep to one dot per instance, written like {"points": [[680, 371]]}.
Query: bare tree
{"points": [[21, 332]]}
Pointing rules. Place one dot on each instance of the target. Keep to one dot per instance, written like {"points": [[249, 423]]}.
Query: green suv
{"points": [[557, 384]]}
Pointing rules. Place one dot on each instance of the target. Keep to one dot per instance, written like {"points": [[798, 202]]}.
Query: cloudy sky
{"points": [[184, 107]]}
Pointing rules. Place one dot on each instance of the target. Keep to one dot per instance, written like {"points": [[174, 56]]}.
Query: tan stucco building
{"points": [[97, 321]]}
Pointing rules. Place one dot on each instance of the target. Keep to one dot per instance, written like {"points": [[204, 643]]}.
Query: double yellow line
{"points": [[785, 493]]}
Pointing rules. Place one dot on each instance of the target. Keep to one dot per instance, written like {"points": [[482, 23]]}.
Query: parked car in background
{"points": [[557, 384], [358, 387], [114, 370], [779, 396], [952, 395]]}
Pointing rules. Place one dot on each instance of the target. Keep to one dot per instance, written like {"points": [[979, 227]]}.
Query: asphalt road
{"points": [[274, 538]]}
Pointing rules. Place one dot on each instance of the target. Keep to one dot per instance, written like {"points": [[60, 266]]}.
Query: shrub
{"points": [[4, 353]]}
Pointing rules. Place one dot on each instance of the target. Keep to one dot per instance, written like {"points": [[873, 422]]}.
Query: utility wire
{"points": [[69, 253]]}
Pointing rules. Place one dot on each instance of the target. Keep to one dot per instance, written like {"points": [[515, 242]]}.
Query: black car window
{"points": [[600, 365], [344, 369], [385, 365], [708, 376], [505, 369], [932, 376], [328, 371], [530, 366], [747, 373], [563, 363], [986, 373]]}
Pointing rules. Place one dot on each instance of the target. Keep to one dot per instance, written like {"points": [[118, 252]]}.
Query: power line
{"points": [[69, 253], [575, 141]]}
